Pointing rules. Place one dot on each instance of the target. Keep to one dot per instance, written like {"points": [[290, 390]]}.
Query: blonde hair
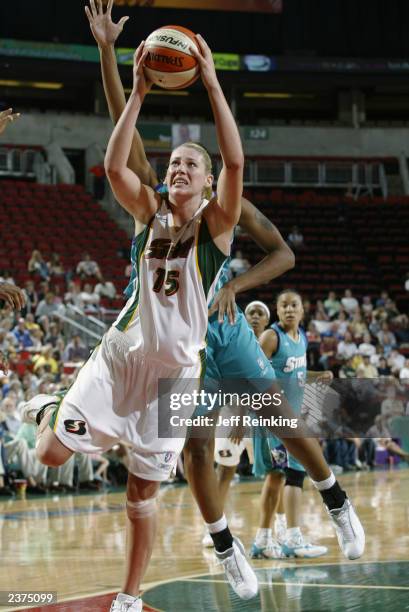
{"points": [[207, 191]]}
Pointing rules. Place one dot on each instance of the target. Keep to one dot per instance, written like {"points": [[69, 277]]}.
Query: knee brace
{"points": [[141, 509], [294, 478]]}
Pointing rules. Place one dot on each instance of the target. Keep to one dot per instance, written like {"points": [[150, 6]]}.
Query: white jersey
{"points": [[167, 315]]}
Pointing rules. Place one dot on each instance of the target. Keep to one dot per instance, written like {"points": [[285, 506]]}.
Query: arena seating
{"points": [[360, 245], [57, 218]]}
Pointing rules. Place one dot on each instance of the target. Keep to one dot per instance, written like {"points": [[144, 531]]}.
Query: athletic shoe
{"points": [[122, 603], [296, 546], [38, 402], [280, 529], [272, 550], [238, 571], [350, 533], [207, 540]]}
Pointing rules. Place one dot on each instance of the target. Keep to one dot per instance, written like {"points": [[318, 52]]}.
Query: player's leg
{"points": [[264, 545], [280, 523], [294, 544], [202, 478], [41, 410]]}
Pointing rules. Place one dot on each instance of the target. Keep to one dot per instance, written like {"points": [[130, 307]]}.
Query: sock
{"points": [[281, 518], [332, 494], [124, 597], [263, 535], [293, 533], [220, 534]]}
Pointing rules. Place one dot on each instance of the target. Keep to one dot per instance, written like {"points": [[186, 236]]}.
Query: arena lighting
{"points": [[277, 96], [162, 92], [31, 84]]}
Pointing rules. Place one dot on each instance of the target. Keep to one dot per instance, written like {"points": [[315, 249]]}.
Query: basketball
{"points": [[170, 63]]}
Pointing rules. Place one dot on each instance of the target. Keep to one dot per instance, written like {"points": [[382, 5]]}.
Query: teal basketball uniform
{"points": [[290, 365]]}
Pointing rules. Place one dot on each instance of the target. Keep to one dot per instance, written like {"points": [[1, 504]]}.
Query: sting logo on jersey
{"points": [[75, 427], [161, 248], [295, 362]]}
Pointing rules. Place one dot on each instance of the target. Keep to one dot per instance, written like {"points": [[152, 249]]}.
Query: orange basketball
{"points": [[170, 63]]}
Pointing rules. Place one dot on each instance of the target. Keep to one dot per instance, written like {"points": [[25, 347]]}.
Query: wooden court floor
{"points": [[74, 545]]}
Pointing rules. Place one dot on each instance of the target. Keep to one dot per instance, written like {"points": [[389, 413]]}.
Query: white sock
{"points": [[263, 535], [124, 597], [323, 485], [293, 533], [281, 518], [217, 525]]}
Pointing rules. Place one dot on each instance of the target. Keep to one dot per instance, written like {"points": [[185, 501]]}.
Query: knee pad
{"points": [[294, 478], [141, 509]]}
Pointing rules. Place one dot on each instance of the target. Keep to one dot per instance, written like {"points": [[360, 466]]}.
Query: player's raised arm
{"points": [[230, 182], [278, 260], [106, 33], [137, 198]]}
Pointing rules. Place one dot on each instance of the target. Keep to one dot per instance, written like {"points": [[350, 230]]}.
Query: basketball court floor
{"points": [[75, 546]]}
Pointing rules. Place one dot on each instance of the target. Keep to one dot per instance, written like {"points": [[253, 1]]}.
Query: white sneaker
{"points": [[207, 540], [38, 402], [271, 550], [238, 571], [297, 547], [350, 533], [280, 529], [126, 603]]}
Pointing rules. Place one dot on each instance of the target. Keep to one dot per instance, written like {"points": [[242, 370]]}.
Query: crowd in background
{"points": [[365, 338]]}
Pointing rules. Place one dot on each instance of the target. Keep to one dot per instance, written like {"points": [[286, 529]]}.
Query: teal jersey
{"points": [[290, 364]]}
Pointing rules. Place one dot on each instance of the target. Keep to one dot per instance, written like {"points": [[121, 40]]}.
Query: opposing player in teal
{"points": [[285, 344]]}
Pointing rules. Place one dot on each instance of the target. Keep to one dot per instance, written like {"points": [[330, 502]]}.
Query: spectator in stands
{"points": [[5, 277], [22, 335], [72, 296], [407, 281], [47, 307], [357, 326], [43, 290], [328, 350], [381, 301], [53, 334], [366, 369], [105, 289], [386, 338], [31, 296], [367, 306], [45, 360], [37, 265], [320, 312], [128, 270], [239, 264], [383, 368], [6, 343], [404, 373], [75, 350], [99, 181], [6, 117], [55, 265], [88, 300], [347, 370], [12, 419], [332, 305], [87, 268], [401, 330], [347, 347], [366, 347], [295, 238], [392, 406], [349, 303], [341, 323], [37, 336]]}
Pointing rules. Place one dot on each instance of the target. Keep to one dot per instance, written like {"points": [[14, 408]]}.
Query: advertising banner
{"points": [[255, 6]]}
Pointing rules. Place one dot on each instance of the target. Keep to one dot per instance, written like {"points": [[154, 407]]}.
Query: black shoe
{"points": [[89, 485], [37, 490]]}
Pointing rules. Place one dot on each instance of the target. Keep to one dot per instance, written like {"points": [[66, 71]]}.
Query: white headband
{"points": [[260, 305]]}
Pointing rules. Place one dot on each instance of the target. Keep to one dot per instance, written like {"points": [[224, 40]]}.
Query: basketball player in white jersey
{"points": [[161, 331]]}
